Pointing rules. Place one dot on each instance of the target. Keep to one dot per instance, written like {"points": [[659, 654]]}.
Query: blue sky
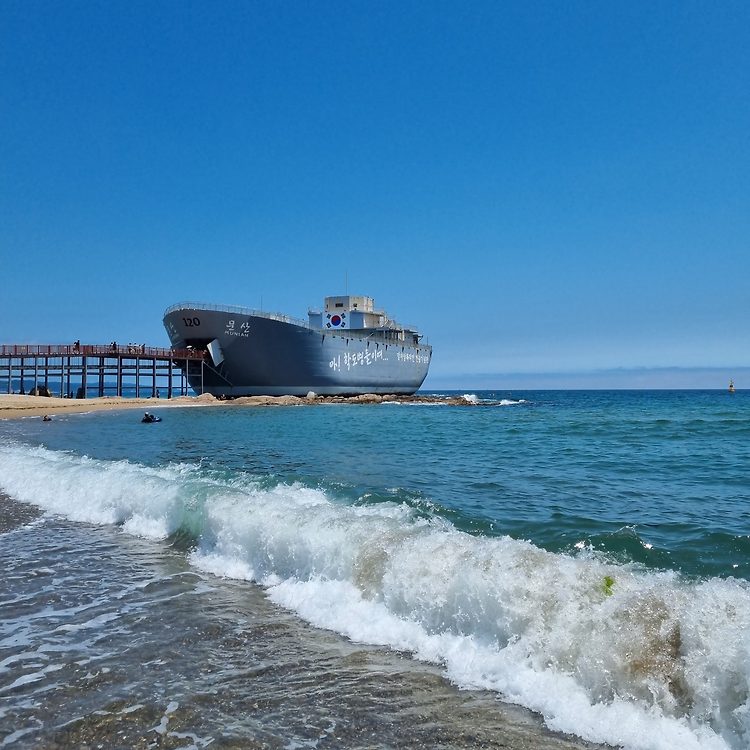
{"points": [[555, 193]]}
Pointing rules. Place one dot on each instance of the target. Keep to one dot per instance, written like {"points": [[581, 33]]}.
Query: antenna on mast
{"points": [[346, 283]]}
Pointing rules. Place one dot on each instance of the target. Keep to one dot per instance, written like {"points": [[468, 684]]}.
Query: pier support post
{"points": [[84, 368], [74, 366]]}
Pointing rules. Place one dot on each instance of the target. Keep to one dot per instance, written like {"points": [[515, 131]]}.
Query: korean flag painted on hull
{"points": [[336, 320]]}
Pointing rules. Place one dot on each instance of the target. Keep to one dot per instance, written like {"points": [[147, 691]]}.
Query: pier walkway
{"points": [[80, 370]]}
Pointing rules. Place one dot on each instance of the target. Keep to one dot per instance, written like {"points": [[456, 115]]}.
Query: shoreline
{"points": [[15, 406]]}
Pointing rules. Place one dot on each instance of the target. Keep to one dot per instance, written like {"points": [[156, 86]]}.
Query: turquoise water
{"points": [[582, 554], [659, 477]]}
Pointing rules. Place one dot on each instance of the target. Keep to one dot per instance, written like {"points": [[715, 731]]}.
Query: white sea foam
{"points": [[149, 502], [612, 653], [472, 398]]}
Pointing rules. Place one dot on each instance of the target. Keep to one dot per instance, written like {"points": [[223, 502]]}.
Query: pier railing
{"points": [[99, 350]]}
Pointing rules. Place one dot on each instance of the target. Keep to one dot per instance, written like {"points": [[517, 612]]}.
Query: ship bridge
{"points": [[357, 313]]}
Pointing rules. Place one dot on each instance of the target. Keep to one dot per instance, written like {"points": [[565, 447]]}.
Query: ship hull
{"points": [[251, 354]]}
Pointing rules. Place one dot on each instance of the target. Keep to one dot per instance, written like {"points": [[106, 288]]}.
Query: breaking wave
{"points": [[611, 652]]}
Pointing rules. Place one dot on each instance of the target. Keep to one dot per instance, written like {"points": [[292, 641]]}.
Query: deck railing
{"points": [[237, 310], [391, 325]]}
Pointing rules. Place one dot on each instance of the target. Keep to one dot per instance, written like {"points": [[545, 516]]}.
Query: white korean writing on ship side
{"points": [[420, 359], [354, 360], [232, 329]]}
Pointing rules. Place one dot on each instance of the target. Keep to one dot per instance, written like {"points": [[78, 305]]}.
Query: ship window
{"points": [[339, 304]]}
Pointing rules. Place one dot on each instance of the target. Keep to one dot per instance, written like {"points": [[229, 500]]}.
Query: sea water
{"points": [[529, 570]]}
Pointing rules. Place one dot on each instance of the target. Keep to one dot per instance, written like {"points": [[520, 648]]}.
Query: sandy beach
{"points": [[15, 406]]}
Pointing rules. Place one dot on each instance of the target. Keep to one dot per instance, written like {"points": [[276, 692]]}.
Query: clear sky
{"points": [[555, 193]]}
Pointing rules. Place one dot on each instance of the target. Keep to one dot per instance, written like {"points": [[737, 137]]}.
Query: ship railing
{"points": [[390, 324], [237, 310], [380, 335]]}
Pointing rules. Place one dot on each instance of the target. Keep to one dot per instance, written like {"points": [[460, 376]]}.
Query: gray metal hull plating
{"points": [[260, 355]]}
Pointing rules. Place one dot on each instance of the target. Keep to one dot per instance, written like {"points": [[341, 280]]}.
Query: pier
{"points": [[83, 370]]}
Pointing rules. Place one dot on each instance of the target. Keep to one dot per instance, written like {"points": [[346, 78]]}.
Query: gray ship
{"points": [[348, 348]]}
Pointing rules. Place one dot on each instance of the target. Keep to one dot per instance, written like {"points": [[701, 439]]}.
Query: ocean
{"points": [[536, 569]]}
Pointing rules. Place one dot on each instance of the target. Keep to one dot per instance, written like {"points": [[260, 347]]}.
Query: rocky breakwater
{"points": [[365, 398]]}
